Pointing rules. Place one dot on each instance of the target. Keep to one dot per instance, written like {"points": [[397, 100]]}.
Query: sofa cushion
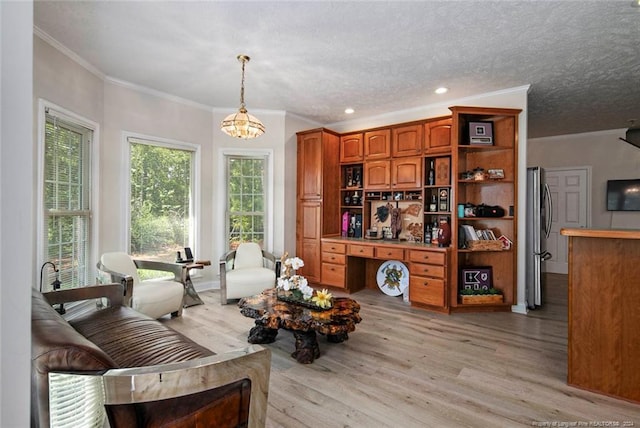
{"points": [[56, 346], [133, 339]]}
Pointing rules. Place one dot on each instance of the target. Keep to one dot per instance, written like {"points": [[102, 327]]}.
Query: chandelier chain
{"points": [[244, 60]]}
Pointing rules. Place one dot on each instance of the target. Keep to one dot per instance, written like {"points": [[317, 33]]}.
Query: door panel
{"points": [[569, 193]]}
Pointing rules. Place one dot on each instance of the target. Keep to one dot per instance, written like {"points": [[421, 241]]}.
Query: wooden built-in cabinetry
{"points": [[406, 167], [502, 192], [318, 193]]}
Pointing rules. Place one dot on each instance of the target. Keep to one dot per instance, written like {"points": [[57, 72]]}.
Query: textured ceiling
{"points": [[314, 59]]}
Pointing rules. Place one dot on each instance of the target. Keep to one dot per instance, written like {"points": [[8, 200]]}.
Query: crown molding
{"points": [[45, 37]]}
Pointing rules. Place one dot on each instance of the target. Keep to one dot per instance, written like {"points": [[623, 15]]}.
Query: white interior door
{"points": [[571, 206]]}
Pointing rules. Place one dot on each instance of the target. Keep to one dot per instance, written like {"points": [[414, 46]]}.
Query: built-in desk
{"points": [[604, 311], [351, 264]]}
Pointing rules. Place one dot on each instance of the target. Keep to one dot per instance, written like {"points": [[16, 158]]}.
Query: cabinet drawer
{"points": [[334, 247], [333, 274], [339, 259], [431, 257], [428, 291], [388, 253], [361, 251], [435, 271]]}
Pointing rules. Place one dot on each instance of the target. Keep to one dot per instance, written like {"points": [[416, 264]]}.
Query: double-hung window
{"points": [[247, 205], [66, 199]]}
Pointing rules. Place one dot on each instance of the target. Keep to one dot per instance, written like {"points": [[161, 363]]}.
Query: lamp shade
{"points": [[242, 125]]}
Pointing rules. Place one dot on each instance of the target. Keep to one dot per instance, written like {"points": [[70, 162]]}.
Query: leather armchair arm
{"points": [[113, 292], [175, 268], [125, 280]]}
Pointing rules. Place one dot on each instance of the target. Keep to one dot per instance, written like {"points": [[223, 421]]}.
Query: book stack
{"points": [[481, 239]]}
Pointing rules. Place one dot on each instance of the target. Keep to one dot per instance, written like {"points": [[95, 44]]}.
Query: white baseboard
{"points": [[520, 309], [206, 285]]}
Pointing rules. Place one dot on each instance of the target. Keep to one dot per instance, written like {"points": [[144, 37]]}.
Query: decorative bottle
{"points": [[434, 233], [431, 179], [444, 233]]}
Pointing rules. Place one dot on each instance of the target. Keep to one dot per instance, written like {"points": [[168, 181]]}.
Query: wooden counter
{"points": [[352, 264], [604, 311]]}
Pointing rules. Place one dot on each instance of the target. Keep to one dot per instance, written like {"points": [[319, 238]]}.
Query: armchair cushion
{"points": [[248, 255], [121, 263], [157, 297], [250, 281], [153, 297], [246, 271]]}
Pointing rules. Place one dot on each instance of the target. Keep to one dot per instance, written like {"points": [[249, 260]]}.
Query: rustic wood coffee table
{"points": [[272, 314]]}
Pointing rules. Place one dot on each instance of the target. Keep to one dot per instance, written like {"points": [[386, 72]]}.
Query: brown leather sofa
{"points": [[149, 375]]}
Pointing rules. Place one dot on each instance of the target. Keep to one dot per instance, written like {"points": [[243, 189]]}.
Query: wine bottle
{"points": [[431, 179], [433, 206]]}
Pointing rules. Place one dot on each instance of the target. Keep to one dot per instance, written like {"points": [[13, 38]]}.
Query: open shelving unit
{"points": [[501, 154]]}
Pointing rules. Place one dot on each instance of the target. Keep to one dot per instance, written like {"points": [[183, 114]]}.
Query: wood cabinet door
{"points": [[437, 136], [309, 226], [310, 166], [377, 144], [377, 175], [406, 173], [312, 262], [406, 141], [430, 291], [351, 148]]}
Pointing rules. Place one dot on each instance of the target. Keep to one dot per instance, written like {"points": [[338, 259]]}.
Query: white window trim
{"points": [[223, 197], [94, 150], [126, 184]]}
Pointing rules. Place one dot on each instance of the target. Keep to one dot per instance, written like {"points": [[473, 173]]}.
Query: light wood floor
{"points": [[405, 367]]}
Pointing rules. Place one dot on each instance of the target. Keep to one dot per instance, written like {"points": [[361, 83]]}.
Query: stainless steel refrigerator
{"points": [[538, 218]]}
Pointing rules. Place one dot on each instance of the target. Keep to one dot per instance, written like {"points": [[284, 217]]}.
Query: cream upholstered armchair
{"points": [[246, 271], [153, 297]]}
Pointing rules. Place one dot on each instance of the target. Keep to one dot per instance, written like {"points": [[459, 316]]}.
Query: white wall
{"points": [[609, 159], [119, 107], [127, 110], [17, 184]]}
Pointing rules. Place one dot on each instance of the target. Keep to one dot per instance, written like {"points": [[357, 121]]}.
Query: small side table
{"points": [[181, 274], [191, 297]]}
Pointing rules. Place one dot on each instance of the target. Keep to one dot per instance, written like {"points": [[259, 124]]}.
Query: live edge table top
{"points": [[272, 314]]}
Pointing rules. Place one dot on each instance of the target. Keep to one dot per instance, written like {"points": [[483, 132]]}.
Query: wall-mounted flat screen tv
{"points": [[623, 195]]}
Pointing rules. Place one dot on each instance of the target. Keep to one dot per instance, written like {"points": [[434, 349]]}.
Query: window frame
{"points": [[194, 209], [94, 183], [223, 186]]}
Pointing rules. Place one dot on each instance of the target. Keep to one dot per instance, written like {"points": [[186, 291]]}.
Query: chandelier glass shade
{"points": [[242, 124]]}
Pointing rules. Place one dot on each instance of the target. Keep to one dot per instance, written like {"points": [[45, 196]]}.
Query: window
{"points": [[246, 213], [66, 201], [160, 191]]}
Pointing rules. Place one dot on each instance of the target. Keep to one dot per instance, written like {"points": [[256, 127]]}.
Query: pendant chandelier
{"points": [[242, 124]]}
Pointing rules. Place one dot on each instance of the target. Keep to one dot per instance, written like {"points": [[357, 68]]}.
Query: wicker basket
{"points": [[485, 245], [480, 299]]}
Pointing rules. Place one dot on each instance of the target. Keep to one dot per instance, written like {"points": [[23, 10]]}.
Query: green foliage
{"points": [[246, 200], [160, 198]]}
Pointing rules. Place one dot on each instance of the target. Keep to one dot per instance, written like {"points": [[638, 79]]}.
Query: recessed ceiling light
{"points": [[441, 90], [349, 110]]}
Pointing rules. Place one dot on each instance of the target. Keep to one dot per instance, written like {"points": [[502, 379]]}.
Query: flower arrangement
{"points": [[298, 287]]}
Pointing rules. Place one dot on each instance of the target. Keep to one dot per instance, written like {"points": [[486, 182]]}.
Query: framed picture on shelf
{"points": [[496, 174], [443, 199], [476, 278], [481, 133]]}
